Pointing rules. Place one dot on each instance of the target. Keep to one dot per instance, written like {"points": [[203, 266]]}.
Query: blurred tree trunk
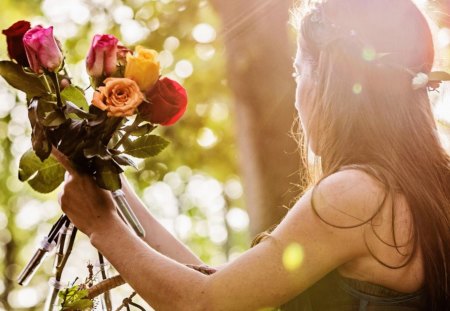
{"points": [[440, 10], [259, 60]]}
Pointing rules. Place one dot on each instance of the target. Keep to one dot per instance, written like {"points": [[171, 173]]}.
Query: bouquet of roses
{"points": [[130, 99]]}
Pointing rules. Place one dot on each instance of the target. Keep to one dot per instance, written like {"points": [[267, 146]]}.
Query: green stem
{"points": [[69, 248], [59, 269], [109, 128], [127, 134], [121, 140], [54, 77], [44, 80], [60, 255]]}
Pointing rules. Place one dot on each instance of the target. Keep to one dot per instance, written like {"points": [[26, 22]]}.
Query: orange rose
{"points": [[120, 97]]}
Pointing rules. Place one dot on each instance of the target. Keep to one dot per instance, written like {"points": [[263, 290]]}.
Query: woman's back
{"points": [[395, 219], [384, 221]]}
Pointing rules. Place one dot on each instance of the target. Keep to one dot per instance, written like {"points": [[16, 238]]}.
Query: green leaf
{"points": [[69, 137], [71, 108], [146, 146], [28, 165], [75, 299], [122, 159], [97, 150], [49, 114], [39, 140], [43, 177], [17, 78], [141, 130], [107, 174], [54, 119], [76, 96], [81, 304]]}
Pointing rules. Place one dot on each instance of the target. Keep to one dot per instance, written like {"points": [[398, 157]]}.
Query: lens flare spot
{"points": [[357, 88], [293, 257], [369, 54]]}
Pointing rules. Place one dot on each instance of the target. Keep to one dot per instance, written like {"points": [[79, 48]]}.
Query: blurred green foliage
{"points": [[192, 187]]}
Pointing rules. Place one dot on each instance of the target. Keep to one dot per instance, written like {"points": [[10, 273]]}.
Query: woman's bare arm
{"points": [[156, 235], [257, 279]]}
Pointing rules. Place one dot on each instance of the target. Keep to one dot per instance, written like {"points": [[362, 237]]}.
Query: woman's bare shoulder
{"points": [[348, 197]]}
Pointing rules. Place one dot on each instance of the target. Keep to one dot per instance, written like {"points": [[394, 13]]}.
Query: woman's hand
{"points": [[90, 208]]}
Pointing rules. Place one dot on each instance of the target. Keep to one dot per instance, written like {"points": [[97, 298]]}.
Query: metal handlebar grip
{"points": [[127, 212]]}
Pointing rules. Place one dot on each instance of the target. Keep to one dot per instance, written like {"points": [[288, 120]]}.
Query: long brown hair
{"points": [[366, 114]]}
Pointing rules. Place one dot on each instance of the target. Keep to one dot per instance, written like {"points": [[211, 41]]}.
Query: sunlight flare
{"points": [[293, 257]]}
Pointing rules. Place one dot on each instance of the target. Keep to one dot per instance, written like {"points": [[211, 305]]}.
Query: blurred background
{"points": [[235, 59]]}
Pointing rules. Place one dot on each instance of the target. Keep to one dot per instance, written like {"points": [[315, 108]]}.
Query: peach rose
{"points": [[119, 97]]}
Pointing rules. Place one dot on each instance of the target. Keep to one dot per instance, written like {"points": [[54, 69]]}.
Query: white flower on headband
{"points": [[420, 80]]}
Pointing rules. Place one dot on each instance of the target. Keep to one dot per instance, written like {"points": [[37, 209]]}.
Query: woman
{"points": [[373, 233]]}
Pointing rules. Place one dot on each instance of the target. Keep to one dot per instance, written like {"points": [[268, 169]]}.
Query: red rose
{"points": [[14, 35], [166, 103]]}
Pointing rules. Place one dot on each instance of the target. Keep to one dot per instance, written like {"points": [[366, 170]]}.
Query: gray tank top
{"points": [[337, 293]]}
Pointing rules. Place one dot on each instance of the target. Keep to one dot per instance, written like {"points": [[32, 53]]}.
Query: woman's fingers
{"points": [[63, 160]]}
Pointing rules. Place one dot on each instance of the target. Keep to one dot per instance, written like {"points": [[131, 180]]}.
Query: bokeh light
{"points": [[369, 54], [238, 219], [204, 33], [293, 257], [206, 138], [23, 298], [357, 88], [184, 69]]}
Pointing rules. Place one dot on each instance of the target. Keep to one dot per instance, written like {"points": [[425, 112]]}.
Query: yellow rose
{"points": [[143, 67]]}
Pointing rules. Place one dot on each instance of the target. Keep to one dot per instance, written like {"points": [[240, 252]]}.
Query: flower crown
{"points": [[328, 32]]}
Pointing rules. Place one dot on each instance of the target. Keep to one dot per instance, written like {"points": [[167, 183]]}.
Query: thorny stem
{"points": [[107, 294]]}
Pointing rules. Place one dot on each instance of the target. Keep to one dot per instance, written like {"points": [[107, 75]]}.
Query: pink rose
{"points": [[166, 103], [42, 49], [102, 57]]}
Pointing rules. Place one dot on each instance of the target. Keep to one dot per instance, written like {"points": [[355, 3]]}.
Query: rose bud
{"points": [[122, 53], [166, 103], [42, 49], [143, 67], [102, 57], [14, 36], [119, 97]]}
